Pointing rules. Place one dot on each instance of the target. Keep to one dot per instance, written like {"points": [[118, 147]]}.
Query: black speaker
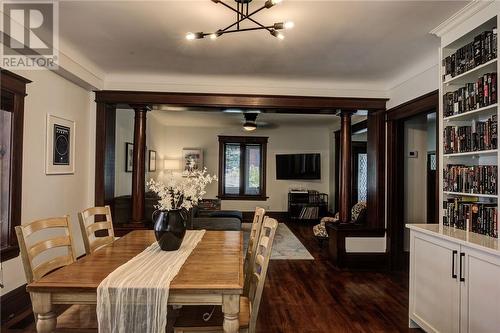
{"points": [[61, 145]]}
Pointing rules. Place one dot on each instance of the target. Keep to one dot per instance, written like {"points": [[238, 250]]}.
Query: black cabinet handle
{"points": [[462, 255], [453, 257]]}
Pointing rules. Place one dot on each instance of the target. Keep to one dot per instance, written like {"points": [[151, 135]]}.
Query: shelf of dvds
{"points": [[492, 196], [476, 153], [479, 113], [490, 66]]}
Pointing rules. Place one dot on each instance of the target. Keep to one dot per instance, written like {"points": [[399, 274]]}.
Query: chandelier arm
{"points": [[243, 17], [243, 29]]}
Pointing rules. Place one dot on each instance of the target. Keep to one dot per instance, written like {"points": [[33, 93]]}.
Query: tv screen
{"points": [[298, 166]]}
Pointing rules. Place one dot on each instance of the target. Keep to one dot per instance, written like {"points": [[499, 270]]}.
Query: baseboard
{"points": [[14, 303], [280, 216]]}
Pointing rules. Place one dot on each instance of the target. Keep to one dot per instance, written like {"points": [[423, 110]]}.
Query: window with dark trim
{"points": [[242, 167], [13, 91]]}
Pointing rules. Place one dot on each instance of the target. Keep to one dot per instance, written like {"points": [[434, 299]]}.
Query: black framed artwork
{"points": [[129, 156], [60, 146], [152, 161]]}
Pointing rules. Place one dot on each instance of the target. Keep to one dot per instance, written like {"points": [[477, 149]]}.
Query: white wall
{"points": [[281, 140], [414, 87], [53, 195]]}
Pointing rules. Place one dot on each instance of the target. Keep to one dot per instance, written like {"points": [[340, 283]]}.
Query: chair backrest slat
{"points": [[259, 268], [30, 252], [252, 246], [89, 227]]}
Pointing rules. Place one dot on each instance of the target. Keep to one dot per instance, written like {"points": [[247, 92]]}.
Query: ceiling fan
{"points": [[250, 121], [242, 14]]}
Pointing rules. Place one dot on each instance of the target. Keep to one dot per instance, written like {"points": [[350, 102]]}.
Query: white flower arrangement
{"points": [[181, 192]]}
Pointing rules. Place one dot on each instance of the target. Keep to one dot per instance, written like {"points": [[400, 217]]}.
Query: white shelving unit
{"points": [[452, 40], [454, 274]]}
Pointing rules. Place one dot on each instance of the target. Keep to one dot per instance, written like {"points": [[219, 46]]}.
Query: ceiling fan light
{"points": [[249, 126]]}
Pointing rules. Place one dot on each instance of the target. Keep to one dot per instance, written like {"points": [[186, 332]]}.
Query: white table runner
{"points": [[133, 298]]}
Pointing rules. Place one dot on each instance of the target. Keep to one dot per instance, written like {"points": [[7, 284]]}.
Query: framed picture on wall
{"points": [[129, 156], [192, 159], [152, 161], [60, 146]]}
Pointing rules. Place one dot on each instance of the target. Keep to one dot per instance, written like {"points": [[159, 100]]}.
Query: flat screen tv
{"points": [[298, 166]]}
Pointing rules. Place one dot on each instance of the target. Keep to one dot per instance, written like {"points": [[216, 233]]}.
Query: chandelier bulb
{"points": [[289, 25], [194, 35]]}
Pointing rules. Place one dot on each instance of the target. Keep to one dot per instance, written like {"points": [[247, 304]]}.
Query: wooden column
{"points": [[345, 166], [139, 163]]}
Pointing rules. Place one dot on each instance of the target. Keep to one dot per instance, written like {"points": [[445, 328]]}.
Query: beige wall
{"points": [[281, 140], [125, 133], [415, 172], [53, 195]]}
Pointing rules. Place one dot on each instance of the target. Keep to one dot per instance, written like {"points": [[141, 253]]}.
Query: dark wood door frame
{"points": [[109, 101], [362, 125], [13, 91], [425, 104]]}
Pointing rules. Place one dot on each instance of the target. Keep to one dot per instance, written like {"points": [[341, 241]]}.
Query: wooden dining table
{"points": [[211, 275]]}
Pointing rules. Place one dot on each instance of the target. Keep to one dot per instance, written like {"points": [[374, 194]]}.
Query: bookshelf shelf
{"points": [[476, 50], [471, 75], [473, 153], [492, 196], [474, 114]]}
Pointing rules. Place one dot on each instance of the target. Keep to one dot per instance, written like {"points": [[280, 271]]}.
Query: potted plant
{"points": [[177, 195]]}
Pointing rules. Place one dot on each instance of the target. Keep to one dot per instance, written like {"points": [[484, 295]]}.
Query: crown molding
{"points": [[461, 16]]}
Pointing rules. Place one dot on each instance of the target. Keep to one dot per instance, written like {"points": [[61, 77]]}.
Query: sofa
{"points": [[214, 219]]}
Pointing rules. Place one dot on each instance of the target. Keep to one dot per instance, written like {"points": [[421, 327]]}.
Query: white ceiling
{"points": [[345, 41], [225, 120]]}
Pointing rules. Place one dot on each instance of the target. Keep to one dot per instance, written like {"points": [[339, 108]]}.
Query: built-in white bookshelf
{"points": [[468, 149]]}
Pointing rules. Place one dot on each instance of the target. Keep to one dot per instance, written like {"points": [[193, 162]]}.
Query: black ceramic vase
{"points": [[170, 228]]}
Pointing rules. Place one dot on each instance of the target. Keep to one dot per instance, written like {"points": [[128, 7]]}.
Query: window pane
{"points": [[252, 170], [362, 176], [5, 154], [232, 169]]}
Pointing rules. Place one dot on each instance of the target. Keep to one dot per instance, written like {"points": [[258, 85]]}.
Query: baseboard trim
{"points": [[14, 303], [280, 216]]}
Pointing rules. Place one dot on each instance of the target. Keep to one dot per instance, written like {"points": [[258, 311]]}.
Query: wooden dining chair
{"points": [[191, 318], [89, 227], [33, 247], [258, 217], [29, 252]]}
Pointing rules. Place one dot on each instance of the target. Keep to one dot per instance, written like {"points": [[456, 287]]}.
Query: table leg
{"points": [[42, 305], [231, 309]]}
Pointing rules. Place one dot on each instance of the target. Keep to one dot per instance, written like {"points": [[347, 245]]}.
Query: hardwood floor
{"points": [[313, 296]]}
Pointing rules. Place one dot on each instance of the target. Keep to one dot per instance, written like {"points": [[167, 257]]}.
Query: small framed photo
{"points": [[152, 161], [60, 146], [193, 159], [129, 156]]}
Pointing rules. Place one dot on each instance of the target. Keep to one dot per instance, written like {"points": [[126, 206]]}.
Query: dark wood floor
{"points": [[309, 296]]}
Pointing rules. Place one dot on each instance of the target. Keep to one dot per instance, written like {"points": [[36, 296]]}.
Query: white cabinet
{"points": [[480, 292], [454, 284], [434, 287]]}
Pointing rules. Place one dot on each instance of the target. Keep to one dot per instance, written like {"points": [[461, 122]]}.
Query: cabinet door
{"points": [[480, 292], [434, 291]]}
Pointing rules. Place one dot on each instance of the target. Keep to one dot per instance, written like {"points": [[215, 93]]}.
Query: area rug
{"points": [[286, 246]]}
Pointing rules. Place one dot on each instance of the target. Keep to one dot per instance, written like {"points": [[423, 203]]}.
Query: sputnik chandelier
{"points": [[242, 14]]}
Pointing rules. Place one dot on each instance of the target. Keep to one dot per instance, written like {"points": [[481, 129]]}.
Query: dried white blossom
{"points": [[181, 192]]}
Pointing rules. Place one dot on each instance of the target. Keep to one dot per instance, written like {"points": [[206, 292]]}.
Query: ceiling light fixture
{"points": [[250, 123], [243, 14]]}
